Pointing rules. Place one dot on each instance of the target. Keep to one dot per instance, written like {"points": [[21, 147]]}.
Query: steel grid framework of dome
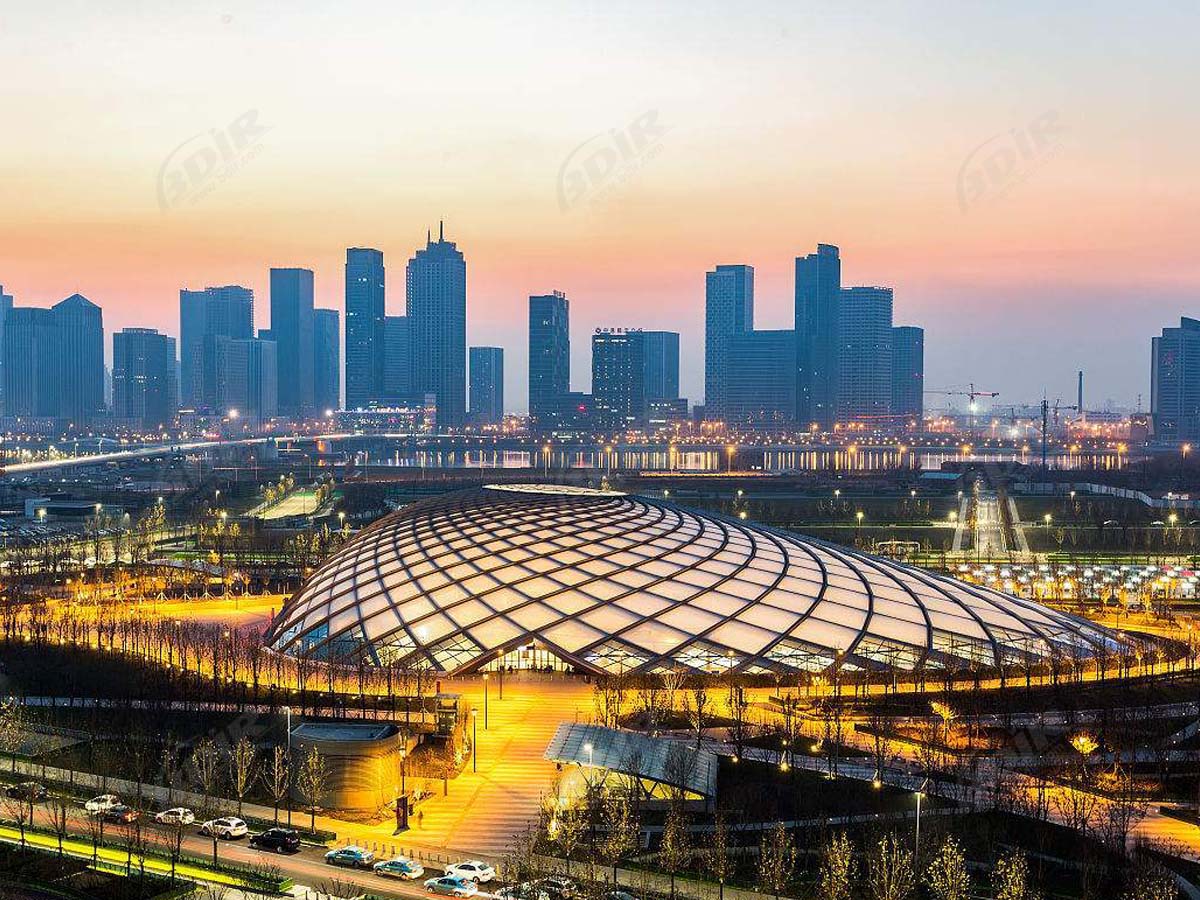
{"points": [[614, 583]]}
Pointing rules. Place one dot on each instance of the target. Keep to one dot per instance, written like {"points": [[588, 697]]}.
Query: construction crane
{"points": [[1046, 408], [969, 393]]}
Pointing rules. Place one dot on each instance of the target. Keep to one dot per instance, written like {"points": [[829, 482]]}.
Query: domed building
{"points": [[549, 576]]}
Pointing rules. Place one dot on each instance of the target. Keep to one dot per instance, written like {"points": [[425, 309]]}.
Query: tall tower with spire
{"points": [[436, 286]]}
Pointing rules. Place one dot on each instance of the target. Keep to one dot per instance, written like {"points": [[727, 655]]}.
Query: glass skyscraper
{"points": [[292, 331], [619, 377], [143, 376], [487, 385], [549, 355], [437, 312], [1175, 382], [760, 387], [908, 372], [365, 294], [203, 315], [728, 311], [662, 364], [327, 381], [864, 367], [818, 296]]}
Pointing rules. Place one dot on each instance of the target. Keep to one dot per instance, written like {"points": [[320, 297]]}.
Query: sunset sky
{"points": [[1026, 180]]}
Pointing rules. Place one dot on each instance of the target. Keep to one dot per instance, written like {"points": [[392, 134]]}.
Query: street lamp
{"points": [[917, 841], [588, 749], [474, 741], [485, 701], [1047, 519]]}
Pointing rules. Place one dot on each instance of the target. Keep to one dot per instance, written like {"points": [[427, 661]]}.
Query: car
{"points": [[176, 815], [472, 870], [352, 857], [228, 828], [454, 887], [121, 814], [619, 895], [557, 887], [102, 804], [278, 840], [27, 790], [525, 890], [401, 867]]}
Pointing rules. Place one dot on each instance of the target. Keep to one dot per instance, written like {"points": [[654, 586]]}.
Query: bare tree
{"points": [[1011, 878], [696, 704], [890, 873], [717, 859], [277, 776], [242, 759], [777, 859], [60, 811], [622, 833], [947, 878], [205, 759], [312, 780], [675, 850], [18, 809], [838, 870]]}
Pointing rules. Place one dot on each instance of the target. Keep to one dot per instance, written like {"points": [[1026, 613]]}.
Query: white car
{"points": [[102, 804], [228, 828], [472, 870], [177, 816]]}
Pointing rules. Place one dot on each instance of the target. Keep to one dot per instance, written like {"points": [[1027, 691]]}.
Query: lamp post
{"points": [[288, 711], [917, 841], [589, 748], [485, 701], [474, 741]]}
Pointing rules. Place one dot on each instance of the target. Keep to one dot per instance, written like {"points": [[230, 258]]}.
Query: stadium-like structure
{"points": [[606, 582]]}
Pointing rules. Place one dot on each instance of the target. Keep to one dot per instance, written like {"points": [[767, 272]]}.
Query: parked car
{"points": [[525, 890], [229, 828], [472, 870], [121, 814], [401, 867], [28, 790], [102, 804], [352, 857], [277, 840], [176, 815], [452, 886], [558, 887]]}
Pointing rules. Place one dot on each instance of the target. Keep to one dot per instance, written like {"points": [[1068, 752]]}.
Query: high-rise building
{"points": [[818, 296], [54, 361], [908, 372], [1174, 382], [6, 305], [487, 385], [327, 382], [728, 311], [292, 332], [397, 360], [760, 384], [79, 343], [619, 377], [864, 354], [549, 355], [247, 377], [30, 362], [143, 377], [365, 295], [203, 315], [437, 311], [661, 356]]}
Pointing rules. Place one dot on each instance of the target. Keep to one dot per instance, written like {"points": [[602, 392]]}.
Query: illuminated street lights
{"points": [[485, 701], [917, 841], [474, 741], [1047, 519]]}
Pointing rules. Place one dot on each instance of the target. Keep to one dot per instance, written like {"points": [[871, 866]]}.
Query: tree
{"points": [[1150, 881], [241, 768], [717, 860], [1011, 879], [568, 825], [622, 825], [205, 759], [696, 703], [277, 776], [777, 859], [675, 849], [60, 815], [838, 869], [12, 728], [890, 873], [947, 877], [312, 781], [18, 809]]}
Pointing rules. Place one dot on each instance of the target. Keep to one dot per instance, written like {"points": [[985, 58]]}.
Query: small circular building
{"points": [[537, 576]]}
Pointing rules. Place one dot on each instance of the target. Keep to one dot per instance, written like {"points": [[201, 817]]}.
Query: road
{"points": [[989, 524]]}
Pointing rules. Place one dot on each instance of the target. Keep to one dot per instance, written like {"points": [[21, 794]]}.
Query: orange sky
{"points": [[767, 129]]}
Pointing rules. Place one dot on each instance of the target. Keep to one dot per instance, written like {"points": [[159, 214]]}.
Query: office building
{"points": [[246, 377], [487, 385], [818, 296], [397, 360], [30, 361], [728, 311], [1174, 382], [143, 378], [295, 343], [908, 372], [365, 294], [549, 356], [661, 357], [214, 312], [760, 386], [619, 377], [79, 344], [864, 355], [437, 310], [327, 380]]}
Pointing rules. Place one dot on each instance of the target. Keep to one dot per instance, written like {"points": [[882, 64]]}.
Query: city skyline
{"points": [[1027, 275]]}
